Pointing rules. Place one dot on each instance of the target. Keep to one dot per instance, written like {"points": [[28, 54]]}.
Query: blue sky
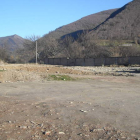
{"points": [[38, 17]]}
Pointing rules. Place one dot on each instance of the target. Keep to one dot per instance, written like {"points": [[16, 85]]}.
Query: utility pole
{"points": [[36, 52]]}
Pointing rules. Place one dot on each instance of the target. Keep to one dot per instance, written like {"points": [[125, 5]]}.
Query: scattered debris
{"points": [[83, 111], [61, 133], [47, 132]]}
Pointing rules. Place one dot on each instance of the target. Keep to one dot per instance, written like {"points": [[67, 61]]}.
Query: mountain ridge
{"points": [[12, 42], [124, 25], [86, 22], [128, 16]]}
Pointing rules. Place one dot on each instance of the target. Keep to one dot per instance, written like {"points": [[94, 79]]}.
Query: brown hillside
{"points": [[87, 22], [11, 42], [123, 25]]}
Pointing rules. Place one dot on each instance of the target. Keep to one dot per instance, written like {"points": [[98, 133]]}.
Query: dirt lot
{"points": [[100, 103]]}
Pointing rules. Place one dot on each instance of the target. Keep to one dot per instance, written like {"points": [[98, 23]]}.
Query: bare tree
{"points": [[4, 54], [66, 43], [29, 51], [48, 47]]}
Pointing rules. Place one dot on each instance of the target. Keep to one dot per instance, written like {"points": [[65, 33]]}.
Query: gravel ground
{"points": [[98, 106], [115, 71]]}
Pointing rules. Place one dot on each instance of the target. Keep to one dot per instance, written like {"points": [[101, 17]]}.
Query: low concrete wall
{"points": [[46, 61], [51, 61], [134, 60], [110, 61], [71, 62], [99, 61], [80, 62], [57, 61], [93, 61], [64, 61], [89, 62], [123, 61]]}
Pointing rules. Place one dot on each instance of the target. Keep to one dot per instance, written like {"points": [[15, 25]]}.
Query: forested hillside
{"points": [[9, 45], [122, 24], [88, 22]]}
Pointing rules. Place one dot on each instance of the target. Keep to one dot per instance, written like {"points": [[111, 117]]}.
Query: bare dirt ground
{"points": [[103, 103]]}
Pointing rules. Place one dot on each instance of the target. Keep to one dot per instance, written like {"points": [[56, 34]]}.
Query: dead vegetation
{"points": [[33, 72]]}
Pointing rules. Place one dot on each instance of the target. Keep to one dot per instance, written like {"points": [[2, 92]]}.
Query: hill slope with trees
{"points": [[98, 35], [9, 45], [11, 42], [88, 22], [124, 24]]}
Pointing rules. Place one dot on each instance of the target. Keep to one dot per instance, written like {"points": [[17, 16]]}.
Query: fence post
{"points": [[128, 60], [67, 61], [84, 61], [48, 61], [60, 61], [116, 60], [104, 61], [93, 61]]}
